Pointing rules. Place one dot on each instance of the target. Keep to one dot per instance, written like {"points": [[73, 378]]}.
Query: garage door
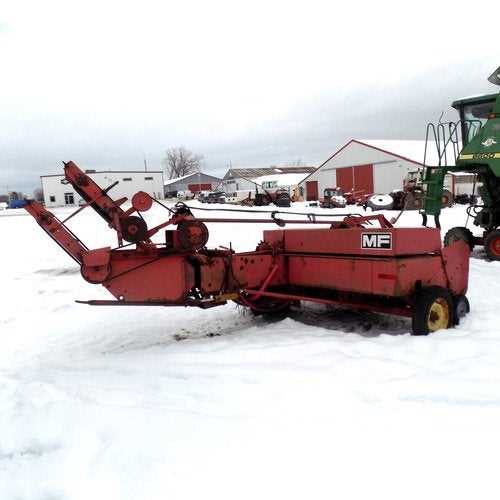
{"points": [[312, 190], [363, 179], [194, 188], [344, 178], [358, 178]]}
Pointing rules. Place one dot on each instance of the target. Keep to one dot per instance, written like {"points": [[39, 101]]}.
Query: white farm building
{"points": [[375, 166], [57, 192]]}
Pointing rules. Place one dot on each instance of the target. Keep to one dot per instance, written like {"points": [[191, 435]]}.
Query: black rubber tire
{"points": [[270, 308], [461, 308], [459, 234], [492, 245], [447, 198], [424, 300]]}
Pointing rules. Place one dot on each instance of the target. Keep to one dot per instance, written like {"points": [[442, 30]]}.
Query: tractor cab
{"points": [[474, 113]]}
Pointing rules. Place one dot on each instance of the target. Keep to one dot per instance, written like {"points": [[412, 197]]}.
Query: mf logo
{"points": [[380, 241]]}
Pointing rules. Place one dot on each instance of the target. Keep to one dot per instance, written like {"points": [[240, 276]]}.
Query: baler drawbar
{"points": [[352, 263]]}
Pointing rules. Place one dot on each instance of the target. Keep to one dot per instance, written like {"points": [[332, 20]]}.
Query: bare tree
{"points": [[38, 194], [180, 161]]}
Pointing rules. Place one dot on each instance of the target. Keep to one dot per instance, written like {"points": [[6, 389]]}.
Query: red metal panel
{"points": [[195, 188], [403, 241], [456, 261], [386, 277], [363, 178], [144, 277], [252, 269], [248, 269], [344, 178], [312, 190]]}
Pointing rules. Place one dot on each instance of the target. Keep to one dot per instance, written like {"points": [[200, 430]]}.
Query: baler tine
{"points": [[402, 271]]}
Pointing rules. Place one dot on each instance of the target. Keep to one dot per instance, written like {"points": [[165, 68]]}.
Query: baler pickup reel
{"points": [[355, 261]]}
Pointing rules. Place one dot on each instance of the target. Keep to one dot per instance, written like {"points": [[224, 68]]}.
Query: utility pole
{"points": [[145, 164]]}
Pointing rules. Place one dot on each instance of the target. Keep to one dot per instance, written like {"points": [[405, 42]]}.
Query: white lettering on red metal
{"points": [[376, 241]]}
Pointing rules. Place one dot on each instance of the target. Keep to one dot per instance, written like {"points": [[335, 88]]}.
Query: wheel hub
{"points": [[439, 315]]}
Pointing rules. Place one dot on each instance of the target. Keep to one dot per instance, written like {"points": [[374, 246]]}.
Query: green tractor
{"points": [[472, 145]]}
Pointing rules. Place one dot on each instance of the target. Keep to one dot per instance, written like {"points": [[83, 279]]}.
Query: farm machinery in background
{"points": [[410, 197], [277, 196], [335, 197], [362, 262], [474, 142]]}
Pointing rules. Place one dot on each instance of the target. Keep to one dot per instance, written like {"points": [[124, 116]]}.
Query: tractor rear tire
{"points": [[432, 311], [459, 234], [461, 308], [447, 199], [492, 245]]}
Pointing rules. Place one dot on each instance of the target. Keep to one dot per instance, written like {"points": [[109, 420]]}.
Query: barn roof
{"points": [[194, 174], [252, 173], [412, 150]]}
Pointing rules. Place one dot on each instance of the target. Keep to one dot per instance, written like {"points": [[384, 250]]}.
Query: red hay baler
{"points": [[352, 263]]}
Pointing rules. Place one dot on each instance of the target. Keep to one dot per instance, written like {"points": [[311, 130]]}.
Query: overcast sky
{"points": [[252, 83]]}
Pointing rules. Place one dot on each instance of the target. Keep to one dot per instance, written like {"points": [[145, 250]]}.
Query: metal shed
{"points": [[195, 182]]}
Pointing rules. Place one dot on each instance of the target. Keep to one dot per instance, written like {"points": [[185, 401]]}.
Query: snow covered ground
{"points": [[150, 403]]}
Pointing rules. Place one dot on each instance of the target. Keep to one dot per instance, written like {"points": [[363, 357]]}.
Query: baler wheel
{"points": [[492, 245], [433, 310], [268, 306], [459, 234], [461, 308]]}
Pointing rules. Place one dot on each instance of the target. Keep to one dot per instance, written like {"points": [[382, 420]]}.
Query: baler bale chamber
{"points": [[350, 263]]}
